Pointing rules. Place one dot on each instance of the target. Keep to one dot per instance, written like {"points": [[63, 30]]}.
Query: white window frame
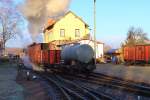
{"points": [[77, 32], [62, 32]]}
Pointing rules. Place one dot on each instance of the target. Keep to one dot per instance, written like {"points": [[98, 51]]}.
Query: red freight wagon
{"points": [[137, 53], [43, 53]]}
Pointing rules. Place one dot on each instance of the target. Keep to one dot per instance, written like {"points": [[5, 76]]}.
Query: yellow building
{"points": [[67, 28]]}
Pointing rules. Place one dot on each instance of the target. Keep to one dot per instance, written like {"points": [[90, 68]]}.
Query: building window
{"points": [[62, 32], [77, 33]]}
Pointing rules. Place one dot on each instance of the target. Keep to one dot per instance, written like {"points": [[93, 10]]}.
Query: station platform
{"points": [[133, 73]]}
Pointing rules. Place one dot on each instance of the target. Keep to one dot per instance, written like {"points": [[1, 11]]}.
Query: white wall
{"points": [[99, 47]]}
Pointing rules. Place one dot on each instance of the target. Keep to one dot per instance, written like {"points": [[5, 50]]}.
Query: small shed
{"points": [[114, 55], [112, 52]]}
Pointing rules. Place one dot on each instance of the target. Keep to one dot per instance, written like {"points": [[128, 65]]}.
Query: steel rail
{"points": [[111, 83], [141, 84], [82, 92], [62, 93], [67, 90], [101, 95], [140, 89]]}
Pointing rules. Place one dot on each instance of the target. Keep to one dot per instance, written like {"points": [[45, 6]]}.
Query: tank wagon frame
{"points": [[74, 60], [137, 54]]}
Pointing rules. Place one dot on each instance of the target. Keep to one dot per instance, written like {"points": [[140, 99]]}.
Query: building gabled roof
{"points": [[75, 16], [51, 22]]}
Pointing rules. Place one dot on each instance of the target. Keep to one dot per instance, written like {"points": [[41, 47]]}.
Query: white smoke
{"points": [[37, 12]]}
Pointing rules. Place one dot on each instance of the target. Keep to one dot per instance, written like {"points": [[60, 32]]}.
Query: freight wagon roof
{"points": [[33, 44], [138, 45]]}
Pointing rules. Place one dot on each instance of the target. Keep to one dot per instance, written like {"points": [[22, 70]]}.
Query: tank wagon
{"points": [[74, 58], [80, 57], [138, 54]]}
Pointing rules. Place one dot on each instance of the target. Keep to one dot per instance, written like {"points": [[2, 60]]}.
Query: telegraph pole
{"points": [[95, 30]]}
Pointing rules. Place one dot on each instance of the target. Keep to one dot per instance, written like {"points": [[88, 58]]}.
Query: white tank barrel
{"points": [[83, 53]]}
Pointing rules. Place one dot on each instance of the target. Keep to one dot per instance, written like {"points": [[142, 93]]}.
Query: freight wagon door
{"points": [[147, 54], [140, 53], [51, 56], [131, 55], [58, 52], [45, 57]]}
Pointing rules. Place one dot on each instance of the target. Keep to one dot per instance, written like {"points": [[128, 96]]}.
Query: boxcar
{"points": [[137, 54], [44, 54]]}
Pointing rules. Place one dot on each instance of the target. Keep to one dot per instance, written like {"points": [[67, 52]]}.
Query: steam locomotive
{"points": [[74, 58]]}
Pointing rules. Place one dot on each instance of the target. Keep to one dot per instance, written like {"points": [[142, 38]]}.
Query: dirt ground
{"points": [[9, 89], [135, 73], [33, 89], [14, 85]]}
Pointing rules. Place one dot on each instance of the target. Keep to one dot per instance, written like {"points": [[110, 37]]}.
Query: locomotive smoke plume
{"points": [[37, 12]]}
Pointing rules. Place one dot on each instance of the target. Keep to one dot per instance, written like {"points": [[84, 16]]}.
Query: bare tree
{"points": [[141, 36], [135, 36], [8, 23]]}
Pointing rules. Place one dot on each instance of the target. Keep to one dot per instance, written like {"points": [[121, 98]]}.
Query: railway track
{"points": [[67, 90], [130, 86], [55, 91], [112, 82], [94, 95], [58, 93]]}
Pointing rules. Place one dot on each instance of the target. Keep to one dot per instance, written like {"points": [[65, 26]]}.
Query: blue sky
{"points": [[114, 17]]}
